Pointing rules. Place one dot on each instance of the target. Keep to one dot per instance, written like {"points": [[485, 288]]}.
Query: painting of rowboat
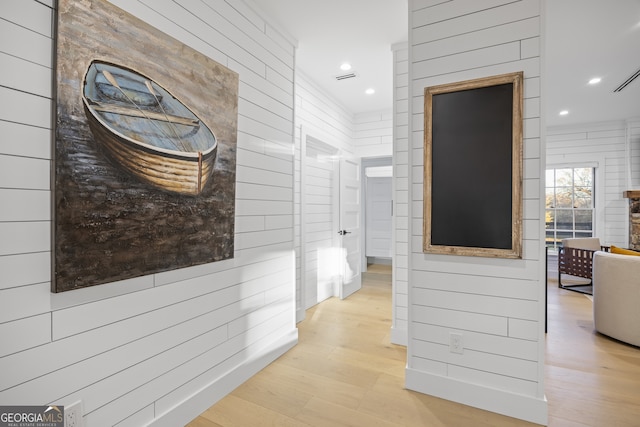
{"points": [[144, 151], [147, 130]]}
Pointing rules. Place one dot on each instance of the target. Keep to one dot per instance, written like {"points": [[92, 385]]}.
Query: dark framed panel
{"points": [[473, 167]]}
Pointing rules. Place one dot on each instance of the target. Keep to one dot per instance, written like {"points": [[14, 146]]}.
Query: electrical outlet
{"points": [[73, 415], [455, 343]]}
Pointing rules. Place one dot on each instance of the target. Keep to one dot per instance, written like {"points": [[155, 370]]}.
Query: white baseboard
{"points": [[209, 395], [519, 406], [399, 336], [300, 315], [350, 289]]}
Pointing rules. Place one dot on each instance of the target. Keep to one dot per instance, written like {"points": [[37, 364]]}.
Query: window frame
{"points": [[555, 242]]}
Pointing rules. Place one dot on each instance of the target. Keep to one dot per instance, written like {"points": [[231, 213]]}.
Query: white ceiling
{"points": [[330, 32], [584, 39]]}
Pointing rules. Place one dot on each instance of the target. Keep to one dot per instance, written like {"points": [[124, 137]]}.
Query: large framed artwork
{"points": [[473, 167], [144, 150]]}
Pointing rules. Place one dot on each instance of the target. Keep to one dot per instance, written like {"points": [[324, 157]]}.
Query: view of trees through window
{"points": [[569, 204]]}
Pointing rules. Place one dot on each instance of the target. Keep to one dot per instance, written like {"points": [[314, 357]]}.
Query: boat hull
{"points": [[182, 165]]}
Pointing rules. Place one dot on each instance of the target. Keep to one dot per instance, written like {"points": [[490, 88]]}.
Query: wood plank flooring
{"points": [[345, 372], [591, 380]]}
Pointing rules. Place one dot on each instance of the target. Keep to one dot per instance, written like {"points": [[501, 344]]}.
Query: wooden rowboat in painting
{"points": [[147, 130]]}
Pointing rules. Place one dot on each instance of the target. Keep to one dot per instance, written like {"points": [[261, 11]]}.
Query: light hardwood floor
{"points": [[345, 372]]}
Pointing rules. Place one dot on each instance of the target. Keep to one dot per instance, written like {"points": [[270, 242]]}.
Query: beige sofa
{"points": [[616, 296]]}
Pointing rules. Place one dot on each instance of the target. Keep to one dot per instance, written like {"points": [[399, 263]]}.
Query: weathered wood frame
{"points": [[516, 79]]}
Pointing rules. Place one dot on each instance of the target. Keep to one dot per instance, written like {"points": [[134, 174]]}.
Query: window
{"points": [[569, 204]]}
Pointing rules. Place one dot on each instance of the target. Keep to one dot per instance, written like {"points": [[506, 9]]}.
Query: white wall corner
{"points": [[399, 336]]}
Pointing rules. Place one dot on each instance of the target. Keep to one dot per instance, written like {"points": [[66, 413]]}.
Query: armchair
{"points": [[575, 263]]}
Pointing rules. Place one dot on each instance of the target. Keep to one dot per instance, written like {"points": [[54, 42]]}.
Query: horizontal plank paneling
{"points": [[401, 185], [465, 23], [478, 58], [258, 176], [511, 31], [602, 144], [25, 269], [24, 237], [444, 12], [507, 307], [258, 207], [320, 117], [97, 340], [496, 381], [479, 298], [22, 107], [263, 192], [25, 76], [263, 238], [70, 321], [155, 389], [245, 224], [24, 140], [462, 282], [459, 320], [25, 333], [210, 15], [39, 42], [530, 66], [121, 348], [25, 205], [35, 16], [261, 161], [24, 301], [492, 344], [509, 366], [275, 86]]}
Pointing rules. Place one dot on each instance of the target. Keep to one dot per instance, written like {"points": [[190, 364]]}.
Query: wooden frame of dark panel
{"points": [[511, 224]]}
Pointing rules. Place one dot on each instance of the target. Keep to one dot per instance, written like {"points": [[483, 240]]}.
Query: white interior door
{"points": [[350, 187], [320, 265], [378, 217]]}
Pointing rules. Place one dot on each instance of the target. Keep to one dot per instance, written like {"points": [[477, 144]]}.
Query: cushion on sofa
{"points": [[622, 251]]}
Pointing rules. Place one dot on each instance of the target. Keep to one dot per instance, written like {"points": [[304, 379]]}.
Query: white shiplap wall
{"points": [[373, 134], [401, 193], [603, 146], [321, 118], [164, 347], [497, 305], [633, 127]]}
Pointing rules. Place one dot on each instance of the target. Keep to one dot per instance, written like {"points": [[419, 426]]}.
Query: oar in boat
{"points": [[173, 127], [114, 82], [134, 112]]}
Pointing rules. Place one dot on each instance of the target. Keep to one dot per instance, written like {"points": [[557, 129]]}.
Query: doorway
{"points": [[377, 215], [330, 223]]}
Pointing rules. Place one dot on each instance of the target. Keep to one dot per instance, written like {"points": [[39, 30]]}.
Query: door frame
{"points": [[366, 162], [305, 138]]}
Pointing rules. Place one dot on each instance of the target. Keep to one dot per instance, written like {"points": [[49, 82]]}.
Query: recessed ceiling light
{"points": [[564, 112], [370, 91], [345, 67], [595, 81]]}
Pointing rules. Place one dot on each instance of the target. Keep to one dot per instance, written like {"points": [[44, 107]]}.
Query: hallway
{"points": [[343, 372]]}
